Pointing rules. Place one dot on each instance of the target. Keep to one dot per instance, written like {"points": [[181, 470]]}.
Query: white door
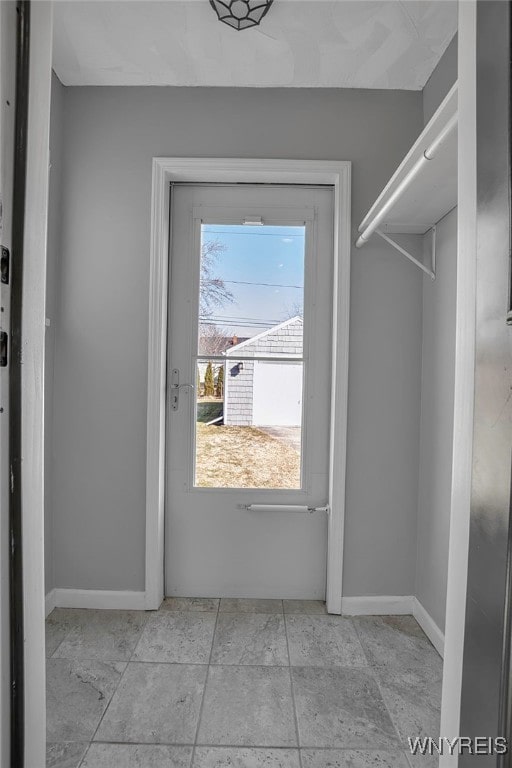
{"points": [[277, 394], [249, 382]]}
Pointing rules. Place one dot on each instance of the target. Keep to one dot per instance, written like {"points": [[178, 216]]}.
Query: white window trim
{"points": [[165, 171]]}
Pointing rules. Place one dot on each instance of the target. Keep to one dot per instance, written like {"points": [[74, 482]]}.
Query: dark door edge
{"points": [[17, 645]]}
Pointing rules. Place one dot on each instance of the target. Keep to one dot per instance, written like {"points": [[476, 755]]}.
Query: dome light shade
{"points": [[241, 14]]}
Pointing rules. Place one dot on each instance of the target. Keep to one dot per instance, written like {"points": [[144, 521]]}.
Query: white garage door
{"points": [[277, 394]]}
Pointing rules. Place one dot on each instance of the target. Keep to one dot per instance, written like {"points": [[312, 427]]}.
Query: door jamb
{"points": [[462, 461], [165, 171]]}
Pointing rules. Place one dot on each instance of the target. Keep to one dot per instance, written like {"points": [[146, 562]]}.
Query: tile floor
{"points": [[242, 683]]}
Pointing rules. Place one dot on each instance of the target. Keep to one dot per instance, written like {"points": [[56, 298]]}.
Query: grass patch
{"points": [[244, 457]]}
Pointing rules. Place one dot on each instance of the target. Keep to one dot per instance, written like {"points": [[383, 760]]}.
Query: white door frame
{"points": [[165, 171], [462, 462]]}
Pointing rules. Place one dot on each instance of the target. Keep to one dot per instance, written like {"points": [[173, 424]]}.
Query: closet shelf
{"points": [[423, 189]]}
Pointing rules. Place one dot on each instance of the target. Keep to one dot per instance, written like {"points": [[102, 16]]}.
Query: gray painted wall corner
{"points": [[440, 81], [437, 387], [52, 302], [436, 431]]}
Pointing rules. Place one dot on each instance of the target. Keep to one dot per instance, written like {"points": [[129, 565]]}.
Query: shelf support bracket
{"points": [[431, 272]]}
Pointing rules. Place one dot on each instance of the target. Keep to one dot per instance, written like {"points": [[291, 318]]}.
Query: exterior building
{"points": [[265, 392], [213, 343]]}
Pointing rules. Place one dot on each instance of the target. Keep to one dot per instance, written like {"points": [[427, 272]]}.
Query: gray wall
{"points": [[440, 81], [52, 298], [437, 387], [111, 135], [437, 393]]}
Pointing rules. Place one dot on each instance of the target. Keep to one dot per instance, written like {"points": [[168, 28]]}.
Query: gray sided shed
{"points": [[253, 389]]}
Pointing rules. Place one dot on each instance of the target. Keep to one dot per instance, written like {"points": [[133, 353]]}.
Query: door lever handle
{"points": [[175, 388]]}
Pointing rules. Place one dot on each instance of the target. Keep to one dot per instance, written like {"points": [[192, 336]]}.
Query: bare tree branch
{"points": [[212, 290], [212, 339], [293, 310]]}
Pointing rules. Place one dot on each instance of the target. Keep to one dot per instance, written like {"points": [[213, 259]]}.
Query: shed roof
{"points": [[291, 321]]}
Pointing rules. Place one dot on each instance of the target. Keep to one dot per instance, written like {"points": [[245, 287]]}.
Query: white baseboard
{"points": [[377, 605], [98, 598], [395, 605], [429, 626], [49, 602], [373, 605]]}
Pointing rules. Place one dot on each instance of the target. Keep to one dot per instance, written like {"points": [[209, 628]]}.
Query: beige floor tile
{"points": [[137, 756], [396, 641], [250, 605], [155, 703], [199, 604], [64, 754], [77, 695], [256, 639], [304, 607], [350, 758], [245, 757], [342, 708], [323, 641], [102, 635], [177, 637], [248, 706]]}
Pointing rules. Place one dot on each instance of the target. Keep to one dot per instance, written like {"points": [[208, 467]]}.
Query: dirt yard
{"points": [[244, 457]]}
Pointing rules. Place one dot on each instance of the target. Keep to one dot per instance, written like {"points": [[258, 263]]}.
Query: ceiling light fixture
{"points": [[241, 14]]}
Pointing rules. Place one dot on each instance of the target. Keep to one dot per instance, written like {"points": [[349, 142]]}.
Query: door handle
{"points": [[175, 388]]}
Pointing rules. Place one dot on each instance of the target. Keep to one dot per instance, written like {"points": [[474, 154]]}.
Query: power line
{"points": [[265, 285], [220, 318], [258, 234], [216, 319], [247, 282], [237, 324], [223, 318]]}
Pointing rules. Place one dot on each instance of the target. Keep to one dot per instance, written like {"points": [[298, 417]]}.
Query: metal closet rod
{"points": [[427, 155]]}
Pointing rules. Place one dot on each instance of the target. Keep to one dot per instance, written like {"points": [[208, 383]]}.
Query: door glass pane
{"points": [[249, 404]]}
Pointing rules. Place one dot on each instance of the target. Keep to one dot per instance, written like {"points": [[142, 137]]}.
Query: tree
{"points": [[212, 290], [219, 389], [212, 294], [212, 339], [296, 309], [208, 381]]}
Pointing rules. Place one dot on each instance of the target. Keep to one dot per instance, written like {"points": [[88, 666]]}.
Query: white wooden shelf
{"points": [[423, 189]]}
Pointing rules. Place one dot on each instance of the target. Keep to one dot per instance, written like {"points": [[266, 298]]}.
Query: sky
{"points": [[271, 260]]}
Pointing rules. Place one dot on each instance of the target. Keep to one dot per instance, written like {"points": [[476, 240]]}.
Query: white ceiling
{"points": [[300, 43]]}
